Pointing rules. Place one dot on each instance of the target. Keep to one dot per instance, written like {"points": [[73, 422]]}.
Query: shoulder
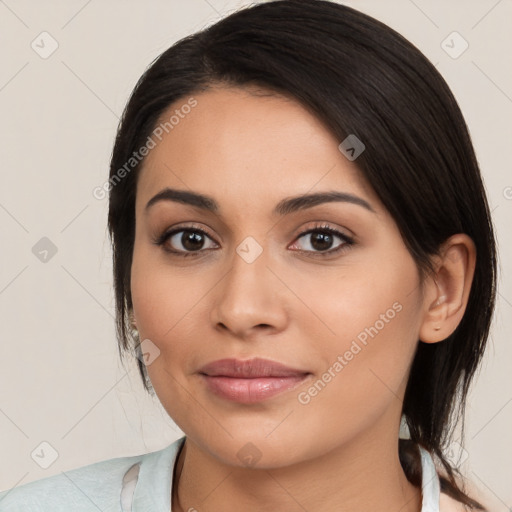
{"points": [[96, 486]]}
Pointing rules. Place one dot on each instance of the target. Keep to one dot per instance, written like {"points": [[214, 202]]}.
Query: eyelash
{"points": [[321, 228]]}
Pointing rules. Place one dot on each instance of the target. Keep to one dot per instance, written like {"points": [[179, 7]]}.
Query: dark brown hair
{"points": [[359, 77]]}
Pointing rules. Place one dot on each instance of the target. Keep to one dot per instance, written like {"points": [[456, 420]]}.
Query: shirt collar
{"points": [[430, 487]]}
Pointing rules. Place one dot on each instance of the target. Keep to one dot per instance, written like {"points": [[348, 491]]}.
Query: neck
{"points": [[365, 474]]}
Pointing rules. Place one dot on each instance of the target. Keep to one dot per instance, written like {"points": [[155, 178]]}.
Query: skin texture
{"points": [[339, 451]]}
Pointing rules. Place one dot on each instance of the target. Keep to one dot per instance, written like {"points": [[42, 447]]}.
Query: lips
{"points": [[249, 369], [250, 381]]}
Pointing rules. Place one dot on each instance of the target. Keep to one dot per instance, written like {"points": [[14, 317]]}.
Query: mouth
{"points": [[250, 381]]}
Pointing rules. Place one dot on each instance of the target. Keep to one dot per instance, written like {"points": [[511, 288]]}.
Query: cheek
{"points": [[171, 307], [374, 314], [364, 300], [163, 305], [162, 295]]}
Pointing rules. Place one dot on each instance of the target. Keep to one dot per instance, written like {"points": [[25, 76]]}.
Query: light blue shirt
{"points": [[141, 483]]}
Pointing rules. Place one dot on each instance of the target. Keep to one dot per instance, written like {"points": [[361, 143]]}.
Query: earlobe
{"points": [[447, 289], [438, 302]]}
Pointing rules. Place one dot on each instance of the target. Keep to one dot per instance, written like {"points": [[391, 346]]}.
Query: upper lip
{"points": [[250, 368]]}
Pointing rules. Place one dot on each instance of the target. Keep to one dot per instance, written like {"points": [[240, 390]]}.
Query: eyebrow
{"points": [[284, 207]]}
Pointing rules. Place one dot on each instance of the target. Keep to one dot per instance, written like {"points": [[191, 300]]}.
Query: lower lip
{"points": [[249, 391]]}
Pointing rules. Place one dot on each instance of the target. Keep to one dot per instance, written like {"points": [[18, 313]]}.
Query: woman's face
{"points": [[345, 309]]}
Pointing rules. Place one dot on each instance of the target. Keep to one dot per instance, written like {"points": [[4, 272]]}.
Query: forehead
{"points": [[248, 146]]}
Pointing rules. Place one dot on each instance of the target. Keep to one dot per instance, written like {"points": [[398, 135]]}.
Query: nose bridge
{"points": [[247, 281], [248, 295]]}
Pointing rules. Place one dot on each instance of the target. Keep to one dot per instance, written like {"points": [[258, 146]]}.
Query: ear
{"points": [[446, 291]]}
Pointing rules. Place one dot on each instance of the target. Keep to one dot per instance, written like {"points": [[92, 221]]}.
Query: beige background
{"points": [[60, 378]]}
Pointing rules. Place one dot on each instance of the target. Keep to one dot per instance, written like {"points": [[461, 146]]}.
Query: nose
{"points": [[250, 298]]}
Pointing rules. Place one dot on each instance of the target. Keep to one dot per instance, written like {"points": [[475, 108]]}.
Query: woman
{"points": [[303, 257]]}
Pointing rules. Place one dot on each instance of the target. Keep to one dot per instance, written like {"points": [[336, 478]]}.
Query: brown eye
{"points": [[185, 241], [190, 240], [321, 240]]}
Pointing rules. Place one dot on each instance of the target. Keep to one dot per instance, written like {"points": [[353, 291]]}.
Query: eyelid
{"points": [[326, 226], [347, 240], [167, 233]]}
